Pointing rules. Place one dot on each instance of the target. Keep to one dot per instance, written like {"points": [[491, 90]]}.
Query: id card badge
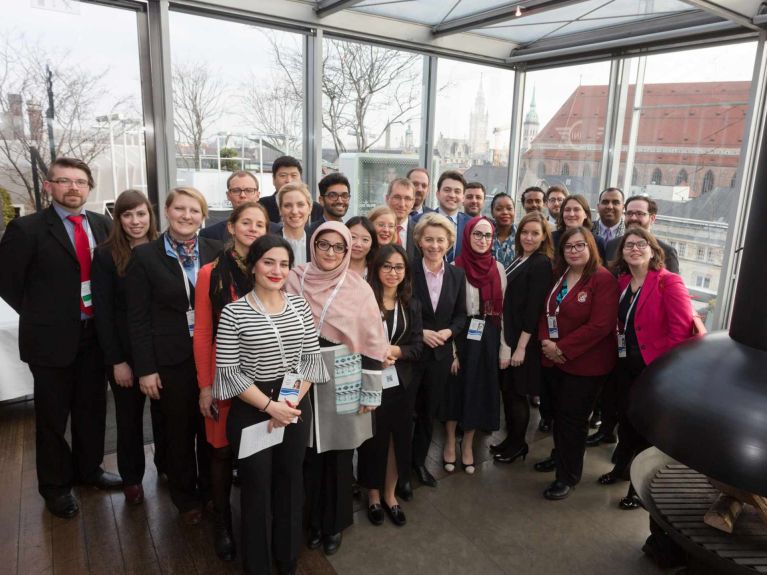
{"points": [[476, 327], [290, 389], [621, 345], [390, 378], [553, 329], [190, 321], [85, 293]]}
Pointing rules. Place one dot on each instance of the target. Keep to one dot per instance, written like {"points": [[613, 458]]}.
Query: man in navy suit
{"points": [[420, 179], [241, 187], [286, 170], [450, 190], [46, 261], [400, 198]]}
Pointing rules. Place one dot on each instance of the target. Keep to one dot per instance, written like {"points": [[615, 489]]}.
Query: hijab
{"points": [[349, 318], [481, 270]]}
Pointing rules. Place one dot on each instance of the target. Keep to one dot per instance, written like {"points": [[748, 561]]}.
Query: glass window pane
{"points": [[231, 110], [371, 113], [95, 85], [473, 123], [684, 152]]}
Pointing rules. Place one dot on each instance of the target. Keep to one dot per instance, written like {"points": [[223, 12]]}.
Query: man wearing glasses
{"points": [[46, 258], [334, 199], [401, 198], [241, 187], [555, 196]]}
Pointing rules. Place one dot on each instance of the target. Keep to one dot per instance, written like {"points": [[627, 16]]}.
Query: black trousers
{"points": [[271, 490], [607, 402], [129, 413], [572, 398], [516, 411], [158, 434], [630, 441], [78, 389], [187, 455], [328, 480], [425, 396]]}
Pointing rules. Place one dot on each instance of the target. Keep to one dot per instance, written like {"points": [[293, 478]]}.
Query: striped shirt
{"points": [[247, 351]]}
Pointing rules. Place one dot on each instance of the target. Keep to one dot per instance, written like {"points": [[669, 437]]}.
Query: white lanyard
{"points": [[631, 306], [186, 284], [569, 289], [328, 302], [389, 338], [516, 263], [261, 308]]}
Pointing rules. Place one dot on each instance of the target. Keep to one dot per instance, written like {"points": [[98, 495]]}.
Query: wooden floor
{"points": [[106, 537]]}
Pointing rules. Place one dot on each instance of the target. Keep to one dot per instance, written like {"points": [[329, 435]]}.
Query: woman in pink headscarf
{"points": [[354, 346]]}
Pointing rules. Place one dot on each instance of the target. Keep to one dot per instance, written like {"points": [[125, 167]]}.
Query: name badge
{"points": [[290, 389], [621, 345], [553, 329], [190, 321], [85, 293], [390, 378], [476, 327]]}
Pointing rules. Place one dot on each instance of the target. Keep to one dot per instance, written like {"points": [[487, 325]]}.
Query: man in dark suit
{"points": [[285, 170], [46, 258], [401, 197], [474, 198], [420, 179], [241, 187], [450, 190]]}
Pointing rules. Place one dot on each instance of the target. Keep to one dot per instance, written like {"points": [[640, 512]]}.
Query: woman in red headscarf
{"points": [[473, 394]]}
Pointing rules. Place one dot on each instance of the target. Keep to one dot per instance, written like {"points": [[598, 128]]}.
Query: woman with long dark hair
{"points": [[224, 280], [364, 244], [387, 455], [135, 224]]}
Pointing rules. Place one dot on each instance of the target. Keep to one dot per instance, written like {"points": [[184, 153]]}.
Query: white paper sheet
{"points": [[256, 438]]}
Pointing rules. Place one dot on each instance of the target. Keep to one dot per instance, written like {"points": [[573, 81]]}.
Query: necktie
{"points": [[608, 235], [83, 251], [400, 229]]}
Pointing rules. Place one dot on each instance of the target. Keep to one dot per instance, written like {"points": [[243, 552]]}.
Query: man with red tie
{"points": [[46, 261]]}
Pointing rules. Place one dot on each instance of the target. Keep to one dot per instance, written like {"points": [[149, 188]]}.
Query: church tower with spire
{"points": [[478, 127], [530, 126]]}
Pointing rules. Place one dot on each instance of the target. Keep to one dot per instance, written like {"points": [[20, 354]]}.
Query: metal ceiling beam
{"points": [[500, 14], [722, 12], [328, 7]]}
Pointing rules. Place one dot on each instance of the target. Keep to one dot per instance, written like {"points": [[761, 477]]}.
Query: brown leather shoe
{"points": [[192, 517], [134, 494]]}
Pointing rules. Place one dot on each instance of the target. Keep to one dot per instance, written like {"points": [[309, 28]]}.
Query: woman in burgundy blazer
{"points": [[654, 315], [577, 334]]}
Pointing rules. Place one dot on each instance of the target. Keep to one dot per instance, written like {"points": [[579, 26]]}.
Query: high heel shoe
{"points": [[449, 466], [468, 468], [511, 457], [499, 447]]}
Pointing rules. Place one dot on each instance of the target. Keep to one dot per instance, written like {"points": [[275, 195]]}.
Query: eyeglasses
{"points": [[640, 245], [68, 182], [555, 200], [479, 236], [243, 191], [326, 246], [398, 198], [577, 247], [634, 214], [384, 226], [333, 196], [397, 268]]}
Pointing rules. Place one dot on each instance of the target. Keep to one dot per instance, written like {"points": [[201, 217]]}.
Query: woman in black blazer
{"points": [[441, 290], [135, 225], [160, 289], [529, 278], [386, 456]]}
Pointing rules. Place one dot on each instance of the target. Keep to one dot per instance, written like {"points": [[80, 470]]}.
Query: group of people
{"points": [[336, 336]]}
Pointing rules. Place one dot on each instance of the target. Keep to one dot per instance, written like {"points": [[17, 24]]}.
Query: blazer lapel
{"points": [[208, 251], [99, 230], [447, 280], [517, 271], [419, 277], [59, 231], [648, 289]]}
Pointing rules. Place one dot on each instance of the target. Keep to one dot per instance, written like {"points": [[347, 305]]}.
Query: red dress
{"points": [[205, 354]]}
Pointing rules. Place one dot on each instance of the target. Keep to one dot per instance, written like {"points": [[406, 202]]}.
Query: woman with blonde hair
{"points": [[295, 204], [384, 220]]}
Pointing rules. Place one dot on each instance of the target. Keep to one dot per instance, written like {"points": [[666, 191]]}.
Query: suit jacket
{"points": [[413, 253], [157, 305], [526, 291], [410, 342], [110, 298], [662, 314], [455, 251], [41, 281], [270, 203], [451, 307], [587, 320], [217, 231], [671, 259], [425, 210]]}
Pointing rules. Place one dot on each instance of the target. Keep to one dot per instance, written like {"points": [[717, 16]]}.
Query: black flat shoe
{"points": [[104, 480], [599, 438], [64, 506], [331, 543], [548, 464], [630, 502], [425, 477], [512, 456], [544, 425], [376, 514], [557, 490], [613, 477], [315, 539], [404, 490], [395, 513]]}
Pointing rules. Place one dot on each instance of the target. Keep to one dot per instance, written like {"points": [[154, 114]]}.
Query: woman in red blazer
{"points": [[654, 315], [577, 334], [220, 282]]}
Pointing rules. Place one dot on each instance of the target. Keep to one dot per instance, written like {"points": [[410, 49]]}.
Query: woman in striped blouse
{"points": [[265, 341]]}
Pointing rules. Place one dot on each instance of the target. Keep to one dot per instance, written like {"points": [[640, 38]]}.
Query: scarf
{"points": [[185, 250], [481, 270], [229, 281], [353, 315]]}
